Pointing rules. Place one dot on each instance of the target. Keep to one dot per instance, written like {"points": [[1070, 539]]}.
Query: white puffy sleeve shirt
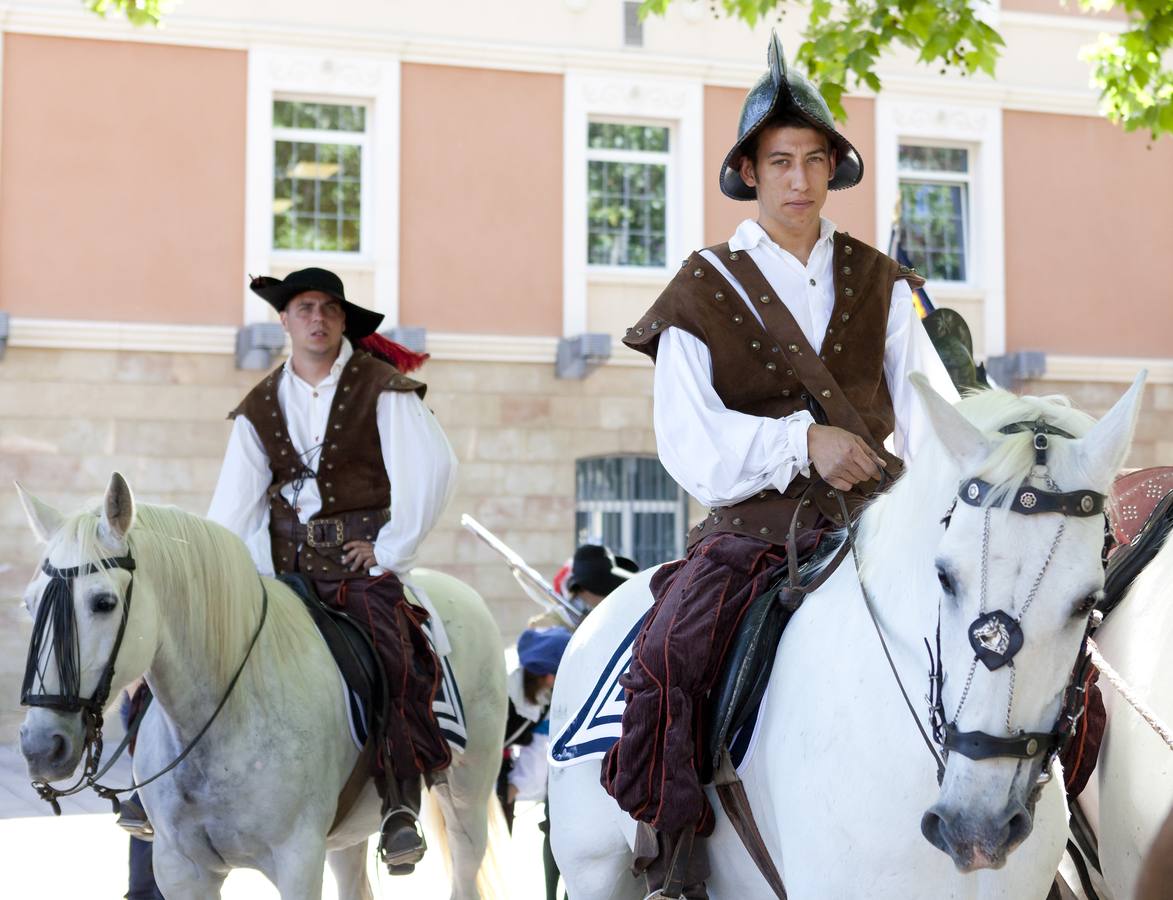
{"points": [[421, 468], [721, 457]]}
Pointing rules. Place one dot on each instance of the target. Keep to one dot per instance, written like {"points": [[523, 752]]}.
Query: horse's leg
{"points": [[178, 878], [301, 863], [349, 866]]}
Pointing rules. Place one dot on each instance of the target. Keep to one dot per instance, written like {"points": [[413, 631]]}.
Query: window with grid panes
{"points": [[318, 152], [627, 194], [631, 505], [934, 210]]}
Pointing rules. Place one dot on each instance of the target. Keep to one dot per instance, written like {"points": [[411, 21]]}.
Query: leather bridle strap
{"points": [[867, 599], [979, 745]]}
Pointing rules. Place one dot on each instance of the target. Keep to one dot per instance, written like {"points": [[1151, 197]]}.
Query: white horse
{"points": [[1131, 792], [260, 789], [840, 781]]}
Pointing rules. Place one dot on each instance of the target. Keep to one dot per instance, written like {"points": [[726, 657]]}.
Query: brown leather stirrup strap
{"points": [[354, 784], [735, 802], [675, 878]]}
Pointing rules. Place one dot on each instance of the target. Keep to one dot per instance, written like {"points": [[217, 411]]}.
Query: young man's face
{"points": [[791, 173], [315, 322]]}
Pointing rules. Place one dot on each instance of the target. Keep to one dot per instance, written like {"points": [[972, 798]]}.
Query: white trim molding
{"points": [[677, 103], [139, 337], [1113, 369], [325, 75], [978, 128]]}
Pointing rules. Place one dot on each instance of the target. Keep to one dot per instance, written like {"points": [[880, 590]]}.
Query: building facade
{"points": [[502, 176]]}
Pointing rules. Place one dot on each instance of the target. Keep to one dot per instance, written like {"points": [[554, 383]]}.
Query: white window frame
{"points": [[932, 176], [327, 77], [911, 120], [673, 102], [318, 136], [657, 158]]}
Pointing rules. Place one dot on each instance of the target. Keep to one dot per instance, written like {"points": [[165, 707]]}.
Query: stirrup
{"points": [[404, 857], [132, 818]]}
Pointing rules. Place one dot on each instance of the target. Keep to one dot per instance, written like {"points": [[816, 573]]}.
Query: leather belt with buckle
{"points": [[325, 533]]}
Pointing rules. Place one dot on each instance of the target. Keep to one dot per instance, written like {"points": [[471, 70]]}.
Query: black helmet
{"points": [[782, 91]]}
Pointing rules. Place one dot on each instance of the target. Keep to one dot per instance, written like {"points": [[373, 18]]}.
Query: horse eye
{"points": [[945, 580], [103, 603]]}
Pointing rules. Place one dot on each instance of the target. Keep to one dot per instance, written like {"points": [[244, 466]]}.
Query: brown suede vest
{"points": [[351, 474], [773, 371]]}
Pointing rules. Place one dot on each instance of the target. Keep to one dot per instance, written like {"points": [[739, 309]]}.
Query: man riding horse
{"points": [[782, 362], [336, 470]]}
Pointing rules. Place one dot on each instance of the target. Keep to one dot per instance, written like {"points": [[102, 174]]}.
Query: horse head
{"points": [[89, 641], [1019, 568]]}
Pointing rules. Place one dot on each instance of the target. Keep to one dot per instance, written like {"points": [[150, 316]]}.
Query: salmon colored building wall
{"points": [[1087, 224], [852, 210], [481, 201], [122, 181]]}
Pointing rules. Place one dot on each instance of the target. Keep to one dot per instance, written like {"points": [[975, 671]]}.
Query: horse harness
{"points": [[996, 637], [55, 634]]}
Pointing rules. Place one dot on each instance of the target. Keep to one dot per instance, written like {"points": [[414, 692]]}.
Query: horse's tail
{"points": [[491, 877], [490, 880]]}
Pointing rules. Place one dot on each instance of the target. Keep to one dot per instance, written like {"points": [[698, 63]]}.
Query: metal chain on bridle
{"points": [[55, 637], [996, 636]]}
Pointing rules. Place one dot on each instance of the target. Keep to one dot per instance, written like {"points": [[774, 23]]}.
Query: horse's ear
{"points": [[44, 520], [961, 438], [117, 513], [1102, 450]]}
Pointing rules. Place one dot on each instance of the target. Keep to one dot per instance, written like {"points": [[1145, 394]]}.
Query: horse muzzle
{"points": [[977, 841], [52, 744]]}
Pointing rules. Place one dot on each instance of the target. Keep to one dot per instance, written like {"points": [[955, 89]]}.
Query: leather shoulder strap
{"points": [[824, 390]]}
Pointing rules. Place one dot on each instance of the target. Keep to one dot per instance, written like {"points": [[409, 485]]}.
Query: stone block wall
{"points": [[68, 418]]}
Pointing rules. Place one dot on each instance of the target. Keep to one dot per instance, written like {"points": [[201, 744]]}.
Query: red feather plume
{"points": [[400, 357]]}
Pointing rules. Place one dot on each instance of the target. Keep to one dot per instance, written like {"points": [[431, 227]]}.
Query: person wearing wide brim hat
{"points": [[594, 573], [782, 361], [346, 510]]}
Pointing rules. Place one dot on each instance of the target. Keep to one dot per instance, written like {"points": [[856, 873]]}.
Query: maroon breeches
{"points": [[413, 743], [699, 603]]}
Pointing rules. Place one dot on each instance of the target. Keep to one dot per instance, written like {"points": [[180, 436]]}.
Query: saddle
{"points": [[750, 660], [354, 654]]}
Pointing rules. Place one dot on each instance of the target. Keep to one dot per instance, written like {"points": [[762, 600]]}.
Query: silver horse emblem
{"points": [[993, 636]]}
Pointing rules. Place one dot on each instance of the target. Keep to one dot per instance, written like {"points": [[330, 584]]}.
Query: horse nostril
{"points": [[1018, 828], [932, 827], [58, 750]]}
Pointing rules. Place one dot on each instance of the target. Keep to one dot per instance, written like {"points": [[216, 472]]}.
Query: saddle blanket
{"points": [[447, 706], [593, 730]]}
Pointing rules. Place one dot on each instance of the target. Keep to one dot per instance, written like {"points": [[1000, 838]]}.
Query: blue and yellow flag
{"points": [[920, 297]]}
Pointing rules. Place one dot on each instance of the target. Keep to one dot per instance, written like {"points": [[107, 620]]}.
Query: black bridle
{"points": [[996, 636], [55, 634]]}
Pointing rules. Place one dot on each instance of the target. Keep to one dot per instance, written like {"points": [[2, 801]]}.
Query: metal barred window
{"points": [[632, 505], [627, 194], [934, 210], [318, 153]]}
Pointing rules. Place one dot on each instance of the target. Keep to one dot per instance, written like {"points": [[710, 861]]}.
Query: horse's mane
{"points": [[205, 580], [905, 523]]}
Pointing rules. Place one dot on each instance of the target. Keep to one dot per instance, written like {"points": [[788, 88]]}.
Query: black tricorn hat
{"points": [[598, 570], [783, 91], [278, 292]]}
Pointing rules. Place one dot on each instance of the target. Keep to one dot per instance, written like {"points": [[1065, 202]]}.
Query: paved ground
{"points": [[83, 853]]}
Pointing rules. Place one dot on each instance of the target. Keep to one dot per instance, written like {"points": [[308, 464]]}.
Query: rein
{"points": [[56, 611]]}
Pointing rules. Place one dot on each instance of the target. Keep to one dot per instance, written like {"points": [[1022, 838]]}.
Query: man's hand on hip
{"points": [[359, 555], [842, 459]]}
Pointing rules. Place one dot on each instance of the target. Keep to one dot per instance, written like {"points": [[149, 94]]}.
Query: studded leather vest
{"points": [[772, 370], [351, 475]]}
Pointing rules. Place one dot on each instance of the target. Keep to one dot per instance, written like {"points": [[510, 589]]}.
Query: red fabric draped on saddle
{"points": [[1134, 497]]}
